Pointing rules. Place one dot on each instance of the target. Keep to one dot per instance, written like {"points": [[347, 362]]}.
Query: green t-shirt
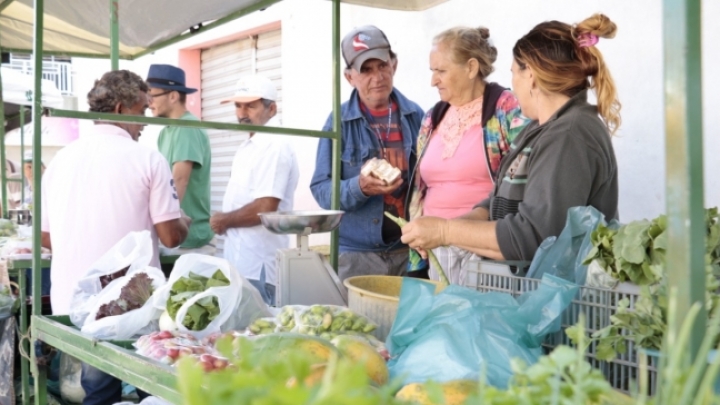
{"points": [[182, 144]]}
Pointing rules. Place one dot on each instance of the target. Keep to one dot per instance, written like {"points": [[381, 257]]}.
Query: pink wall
{"points": [[189, 60]]}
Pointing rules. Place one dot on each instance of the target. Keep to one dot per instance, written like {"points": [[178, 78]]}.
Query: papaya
{"points": [[314, 378], [282, 344], [455, 392], [359, 350]]}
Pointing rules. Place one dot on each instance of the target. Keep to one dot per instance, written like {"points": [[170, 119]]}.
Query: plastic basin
{"points": [[377, 297]]}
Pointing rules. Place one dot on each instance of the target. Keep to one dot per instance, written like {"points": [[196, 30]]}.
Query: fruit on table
{"points": [[455, 392], [263, 326], [318, 350], [359, 350], [314, 378]]}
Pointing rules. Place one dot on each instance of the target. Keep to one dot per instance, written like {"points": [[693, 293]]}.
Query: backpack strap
{"points": [[438, 112], [491, 96]]}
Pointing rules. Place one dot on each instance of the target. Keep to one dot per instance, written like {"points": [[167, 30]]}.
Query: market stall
{"points": [[685, 221]]}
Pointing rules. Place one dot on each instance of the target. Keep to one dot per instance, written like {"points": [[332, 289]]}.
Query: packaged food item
{"points": [[381, 169], [326, 321]]}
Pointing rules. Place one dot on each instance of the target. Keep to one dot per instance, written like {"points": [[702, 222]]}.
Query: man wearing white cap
{"points": [[263, 179], [377, 122]]}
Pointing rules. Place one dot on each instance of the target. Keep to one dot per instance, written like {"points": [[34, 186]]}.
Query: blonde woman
{"points": [[463, 138], [563, 158]]}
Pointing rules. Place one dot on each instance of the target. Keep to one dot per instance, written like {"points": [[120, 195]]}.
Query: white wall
{"points": [[634, 56]]}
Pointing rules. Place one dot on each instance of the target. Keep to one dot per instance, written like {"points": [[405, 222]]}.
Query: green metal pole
{"points": [[337, 141], [39, 372], [114, 36], [684, 160], [22, 155], [3, 170]]}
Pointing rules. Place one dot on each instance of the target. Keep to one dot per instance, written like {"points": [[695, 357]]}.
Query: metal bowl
{"points": [[301, 222]]}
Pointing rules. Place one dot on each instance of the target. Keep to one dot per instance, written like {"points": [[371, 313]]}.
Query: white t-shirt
{"points": [[95, 191], [263, 166]]}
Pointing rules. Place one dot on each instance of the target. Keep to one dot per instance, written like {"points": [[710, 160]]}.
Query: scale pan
{"points": [[298, 222]]}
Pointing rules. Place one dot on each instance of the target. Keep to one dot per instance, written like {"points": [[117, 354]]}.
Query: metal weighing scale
{"points": [[304, 276]]}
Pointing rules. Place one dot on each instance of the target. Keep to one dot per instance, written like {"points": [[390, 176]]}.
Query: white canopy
{"points": [[83, 26]]}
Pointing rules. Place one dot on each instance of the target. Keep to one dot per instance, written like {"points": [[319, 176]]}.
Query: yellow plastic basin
{"points": [[377, 298]]}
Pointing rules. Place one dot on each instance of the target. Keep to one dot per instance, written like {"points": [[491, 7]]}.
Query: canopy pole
{"points": [[3, 170], [337, 141], [22, 155], [114, 36], [684, 161], [38, 371]]}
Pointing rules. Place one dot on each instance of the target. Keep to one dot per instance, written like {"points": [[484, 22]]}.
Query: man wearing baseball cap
{"points": [[188, 152], [377, 122], [263, 178]]}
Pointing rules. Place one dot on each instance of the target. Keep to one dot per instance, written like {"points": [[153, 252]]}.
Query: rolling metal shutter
{"points": [[222, 66]]}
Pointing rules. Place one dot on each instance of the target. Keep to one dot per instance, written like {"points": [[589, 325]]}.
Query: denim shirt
{"points": [[361, 226]]}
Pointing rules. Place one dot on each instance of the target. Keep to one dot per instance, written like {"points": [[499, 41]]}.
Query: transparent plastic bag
{"points": [[563, 256], [136, 322], [9, 303], [239, 302], [71, 389], [132, 252], [460, 332], [166, 347], [325, 321]]}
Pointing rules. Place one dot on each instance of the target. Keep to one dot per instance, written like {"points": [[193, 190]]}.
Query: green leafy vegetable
{"points": [[433, 259], [636, 252], [204, 310], [133, 296]]}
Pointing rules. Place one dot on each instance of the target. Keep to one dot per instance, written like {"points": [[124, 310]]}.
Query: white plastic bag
{"points": [[136, 322], [71, 389], [134, 251], [240, 303]]}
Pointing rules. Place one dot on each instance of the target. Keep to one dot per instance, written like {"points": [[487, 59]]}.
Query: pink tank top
{"points": [[456, 184]]}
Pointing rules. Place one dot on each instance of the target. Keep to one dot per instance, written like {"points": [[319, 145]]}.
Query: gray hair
{"points": [[267, 103], [119, 86]]}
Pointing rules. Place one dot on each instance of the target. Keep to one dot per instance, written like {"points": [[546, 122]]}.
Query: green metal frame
{"points": [[684, 187], [136, 119], [684, 159], [57, 331]]}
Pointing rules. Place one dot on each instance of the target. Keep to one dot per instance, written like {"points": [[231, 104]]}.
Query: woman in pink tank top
{"points": [[459, 155]]}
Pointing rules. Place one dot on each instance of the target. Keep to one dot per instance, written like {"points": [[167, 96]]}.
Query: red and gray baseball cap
{"points": [[363, 43]]}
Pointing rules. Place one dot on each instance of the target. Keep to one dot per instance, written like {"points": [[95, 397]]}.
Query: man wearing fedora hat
{"points": [[188, 152], [377, 122]]}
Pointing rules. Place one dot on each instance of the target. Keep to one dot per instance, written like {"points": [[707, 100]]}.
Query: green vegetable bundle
{"points": [[636, 252], [326, 321], [204, 310]]}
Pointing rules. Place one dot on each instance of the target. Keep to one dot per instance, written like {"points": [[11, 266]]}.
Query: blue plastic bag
{"points": [[460, 332], [563, 256]]}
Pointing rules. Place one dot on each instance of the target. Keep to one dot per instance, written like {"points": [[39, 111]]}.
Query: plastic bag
{"points": [[9, 303], [461, 333], [147, 401], [166, 347], [563, 256], [132, 252], [136, 322], [71, 389], [240, 303], [322, 320]]}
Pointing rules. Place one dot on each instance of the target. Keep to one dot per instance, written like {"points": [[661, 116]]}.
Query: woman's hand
{"points": [[425, 233]]}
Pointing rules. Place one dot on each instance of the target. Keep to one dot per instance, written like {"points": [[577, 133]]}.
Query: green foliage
{"points": [[262, 378], [203, 311], [636, 252]]}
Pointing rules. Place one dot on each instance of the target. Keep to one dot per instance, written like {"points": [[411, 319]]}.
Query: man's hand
{"points": [[425, 233], [218, 223], [371, 186]]}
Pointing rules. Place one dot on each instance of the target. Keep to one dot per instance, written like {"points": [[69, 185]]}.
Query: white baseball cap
{"points": [[251, 88]]}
